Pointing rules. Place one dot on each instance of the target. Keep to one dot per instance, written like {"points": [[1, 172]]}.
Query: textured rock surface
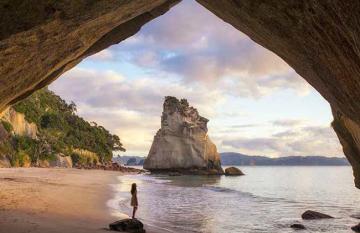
{"points": [[319, 39], [356, 228], [311, 215], [348, 133], [233, 171], [4, 137], [19, 124], [38, 42], [127, 225], [61, 161], [298, 226], [182, 143], [4, 162]]}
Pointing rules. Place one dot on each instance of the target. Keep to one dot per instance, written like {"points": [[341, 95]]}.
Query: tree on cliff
{"points": [[62, 130]]}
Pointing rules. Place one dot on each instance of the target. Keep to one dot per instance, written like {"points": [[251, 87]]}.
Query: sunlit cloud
{"points": [[288, 122], [129, 108], [209, 54], [310, 140], [104, 55]]}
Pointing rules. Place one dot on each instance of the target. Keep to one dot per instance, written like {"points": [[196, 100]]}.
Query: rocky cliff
{"points": [[182, 143], [348, 133], [20, 126], [17, 135], [43, 130], [13, 125]]}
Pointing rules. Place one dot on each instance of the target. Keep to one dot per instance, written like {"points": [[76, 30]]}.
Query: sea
{"points": [[266, 199]]}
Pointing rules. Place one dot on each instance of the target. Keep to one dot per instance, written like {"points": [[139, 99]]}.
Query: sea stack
{"points": [[182, 143]]}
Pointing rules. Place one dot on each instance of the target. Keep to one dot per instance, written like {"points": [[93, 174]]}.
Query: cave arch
{"points": [[320, 40]]}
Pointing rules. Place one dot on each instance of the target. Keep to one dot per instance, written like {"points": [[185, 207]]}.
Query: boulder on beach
{"points": [[356, 228], [233, 171], [357, 216], [310, 215], [128, 225], [174, 174], [298, 226], [61, 160], [182, 143]]}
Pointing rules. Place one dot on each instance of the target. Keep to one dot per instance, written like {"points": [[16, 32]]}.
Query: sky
{"points": [[255, 102]]}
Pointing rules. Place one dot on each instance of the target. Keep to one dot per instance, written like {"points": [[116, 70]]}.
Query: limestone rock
{"points": [[61, 161], [4, 162], [43, 164], [128, 225], [19, 124], [348, 132], [298, 226], [233, 171], [182, 143], [174, 174], [310, 215], [4, 154], [357, 216], [356, 228]]}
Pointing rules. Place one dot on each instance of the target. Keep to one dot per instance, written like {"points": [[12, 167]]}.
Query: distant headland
{"points": [[238, 159], [232, 158]]}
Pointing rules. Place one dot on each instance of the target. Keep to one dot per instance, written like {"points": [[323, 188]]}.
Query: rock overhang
{"points": [[319, 39]]}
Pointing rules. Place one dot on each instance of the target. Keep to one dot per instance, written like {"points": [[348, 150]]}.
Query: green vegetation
{"points": [[60, 130], [84, 158], [7, 126]]}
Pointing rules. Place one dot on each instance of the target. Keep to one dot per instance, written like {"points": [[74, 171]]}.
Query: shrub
{"points": [[62, 129], [6, 150], [20, 159], [8, 127]]}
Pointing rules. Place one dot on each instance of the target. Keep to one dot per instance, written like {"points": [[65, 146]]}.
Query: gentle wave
{"points": [[263, 201]]}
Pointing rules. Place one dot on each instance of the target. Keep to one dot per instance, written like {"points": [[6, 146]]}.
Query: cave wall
{"points": [[348, 133], [319, 39], [40, 40]]}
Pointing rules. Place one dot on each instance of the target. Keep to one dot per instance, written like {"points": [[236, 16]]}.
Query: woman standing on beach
{"points": [[134, 200]]}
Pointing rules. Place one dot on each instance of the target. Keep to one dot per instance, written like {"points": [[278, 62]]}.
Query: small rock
{"points": [[127, 225], [233, 171], [310, 215], [298, 226], [356, 228], [174, 174], [357, 216]]}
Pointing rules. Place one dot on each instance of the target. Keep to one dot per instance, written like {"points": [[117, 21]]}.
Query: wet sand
{"points": [[55, 200]]}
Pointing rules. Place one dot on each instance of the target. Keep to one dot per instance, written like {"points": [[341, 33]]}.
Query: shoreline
{"points": [[56, 200]]}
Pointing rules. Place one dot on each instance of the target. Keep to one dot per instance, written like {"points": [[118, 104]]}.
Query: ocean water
{"points": [[266, 199]]}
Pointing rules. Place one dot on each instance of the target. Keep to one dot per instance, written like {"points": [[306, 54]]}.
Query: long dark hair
{"points": [[133, 189]]}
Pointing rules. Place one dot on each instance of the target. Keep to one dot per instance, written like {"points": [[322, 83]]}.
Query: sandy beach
{"points": [[55, 200]]}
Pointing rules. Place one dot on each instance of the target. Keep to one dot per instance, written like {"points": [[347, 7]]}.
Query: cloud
{"points": [[130, 108], [191, 42], [135, 129], [244, 126], [309, 140], [108, 89], [255, 144], [287, 122], [104, 55]]}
